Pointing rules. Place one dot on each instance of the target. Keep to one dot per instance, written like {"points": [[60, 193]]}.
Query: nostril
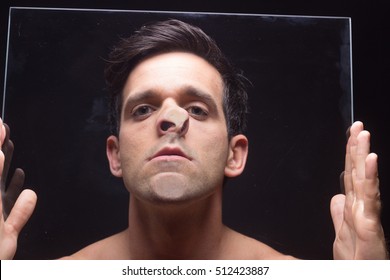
{"points": [[184, 127], [166, 125]]}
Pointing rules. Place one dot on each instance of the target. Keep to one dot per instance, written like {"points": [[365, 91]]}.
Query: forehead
{"points": [[169, 72]]}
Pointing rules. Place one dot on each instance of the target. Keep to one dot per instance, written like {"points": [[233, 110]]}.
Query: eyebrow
{"points": [[138, 97], [204, 96], [189, 91]]}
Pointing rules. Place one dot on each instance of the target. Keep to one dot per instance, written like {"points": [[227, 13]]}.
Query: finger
{"points": [[348, 170], [2, 132], [347, 160], [2, 138], [337, 205], [2, 159], [372, 202], [13, 191], [22, 210], [342, 184], [8, 149], [350, 149], [7, 133], [359, 163], [1, 194]]}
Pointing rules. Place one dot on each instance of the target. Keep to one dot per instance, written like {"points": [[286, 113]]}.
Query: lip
{"points": [[170, 153]]}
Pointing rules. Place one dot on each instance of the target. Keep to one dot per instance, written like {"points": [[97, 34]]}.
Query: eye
{"points": [[197, 112], [142, 111]]}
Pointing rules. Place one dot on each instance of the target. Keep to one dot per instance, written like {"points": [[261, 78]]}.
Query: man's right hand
{"points": [[16, 205]]}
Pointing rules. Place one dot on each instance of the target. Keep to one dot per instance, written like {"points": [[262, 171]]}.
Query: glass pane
{"points": [[300, 106]]}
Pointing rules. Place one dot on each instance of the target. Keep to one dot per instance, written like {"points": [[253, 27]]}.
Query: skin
{"points": [[164, 87], [356, 215], [173, 153], [18, 217], [175, 100]]}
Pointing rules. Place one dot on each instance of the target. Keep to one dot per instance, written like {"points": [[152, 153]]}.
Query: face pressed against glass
{"points": [[296, 86], [171, 120]]}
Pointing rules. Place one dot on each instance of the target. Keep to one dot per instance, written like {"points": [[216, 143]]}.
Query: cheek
{"points": [[132, 144], [213, 146], [133, 133]]}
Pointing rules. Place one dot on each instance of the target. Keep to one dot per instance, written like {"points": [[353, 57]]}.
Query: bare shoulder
{"points": [[235, 246], [244, 247], [112, 247]]}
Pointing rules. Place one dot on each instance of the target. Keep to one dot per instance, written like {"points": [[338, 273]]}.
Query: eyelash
{"points": [[201, 113], [137, 111]]}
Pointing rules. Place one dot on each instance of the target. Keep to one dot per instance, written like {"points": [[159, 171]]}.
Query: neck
{"points": [[189, 231]]}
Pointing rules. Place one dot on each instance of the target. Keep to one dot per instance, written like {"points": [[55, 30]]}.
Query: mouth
{"points": [[170, 153]]}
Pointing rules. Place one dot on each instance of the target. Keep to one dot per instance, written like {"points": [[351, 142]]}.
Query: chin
{"points": [[174, 188]]}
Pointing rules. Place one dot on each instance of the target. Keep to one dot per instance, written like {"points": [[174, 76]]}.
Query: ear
{"points": [[113, 155], [238, 152]]}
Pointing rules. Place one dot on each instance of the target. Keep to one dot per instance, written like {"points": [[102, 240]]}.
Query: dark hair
{"points": [[168, 36]]}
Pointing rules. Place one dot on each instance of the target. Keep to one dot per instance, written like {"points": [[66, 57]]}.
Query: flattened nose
{"points": [[174, 119]]}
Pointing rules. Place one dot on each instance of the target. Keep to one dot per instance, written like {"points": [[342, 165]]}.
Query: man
{"points": [[178, 113]]}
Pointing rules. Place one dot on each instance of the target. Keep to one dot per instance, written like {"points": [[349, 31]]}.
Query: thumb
{"points": [[22, 210], [337, 211]]}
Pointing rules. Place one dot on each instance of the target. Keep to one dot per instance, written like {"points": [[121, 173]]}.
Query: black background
{"points": [[370, 69]]}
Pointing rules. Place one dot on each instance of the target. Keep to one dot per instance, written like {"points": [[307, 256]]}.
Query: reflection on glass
{"points": [[300, 106]]}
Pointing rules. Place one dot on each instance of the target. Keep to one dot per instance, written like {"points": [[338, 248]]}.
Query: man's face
{"points": [[173, 144]]}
